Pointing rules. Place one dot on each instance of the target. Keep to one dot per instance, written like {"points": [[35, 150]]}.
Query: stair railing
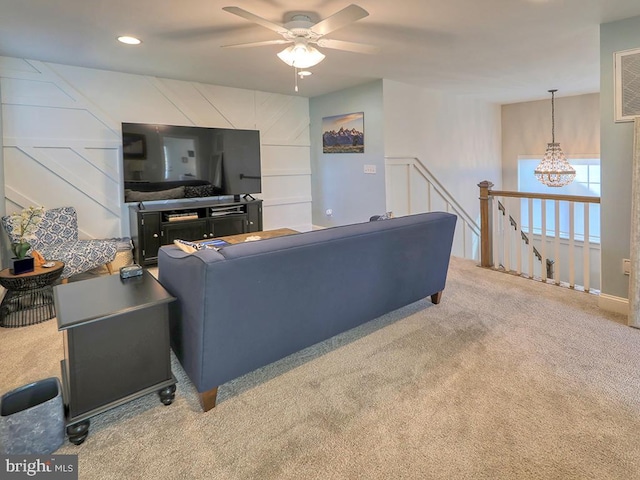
{"points": [[525, 238], [500, 243]]}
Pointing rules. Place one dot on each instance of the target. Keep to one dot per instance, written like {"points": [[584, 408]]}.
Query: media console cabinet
{"points": [[155, 225]]}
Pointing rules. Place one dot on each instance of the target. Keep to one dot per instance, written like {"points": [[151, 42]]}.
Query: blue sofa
{"points": [[253, 303]]}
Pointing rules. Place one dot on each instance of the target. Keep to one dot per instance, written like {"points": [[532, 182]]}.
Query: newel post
{"points": [[486, 259]]}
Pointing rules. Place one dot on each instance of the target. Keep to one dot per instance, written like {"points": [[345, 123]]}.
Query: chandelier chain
{"points": [[553, 117], [554, 170]]}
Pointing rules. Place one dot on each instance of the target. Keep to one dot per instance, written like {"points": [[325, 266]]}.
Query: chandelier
{"points": [[554, 170]]}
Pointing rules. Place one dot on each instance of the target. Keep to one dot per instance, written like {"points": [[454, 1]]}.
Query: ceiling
{"points": [[501, 51]]}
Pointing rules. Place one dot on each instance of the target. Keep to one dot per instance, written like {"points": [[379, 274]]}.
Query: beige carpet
{"points": [[505, 379]]}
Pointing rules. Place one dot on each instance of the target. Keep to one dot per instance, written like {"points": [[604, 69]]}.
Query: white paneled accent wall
{"points": [[456, 137], [62, 139], [411, 188]]}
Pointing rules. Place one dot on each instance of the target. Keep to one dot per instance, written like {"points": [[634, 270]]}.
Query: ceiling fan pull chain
{"points": [[295, 74]]}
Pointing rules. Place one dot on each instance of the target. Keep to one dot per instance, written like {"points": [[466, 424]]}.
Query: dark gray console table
{"points": [[116, 345]]}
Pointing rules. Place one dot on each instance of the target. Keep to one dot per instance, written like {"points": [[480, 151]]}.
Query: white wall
{"points": [[457, 138], [62, 140]]}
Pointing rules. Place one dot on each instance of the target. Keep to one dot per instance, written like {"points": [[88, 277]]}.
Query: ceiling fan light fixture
{"points": [[301, 55], [129, 40]]}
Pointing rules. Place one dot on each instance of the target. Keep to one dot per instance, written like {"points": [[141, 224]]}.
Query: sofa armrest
{"points": [[184, 276]]}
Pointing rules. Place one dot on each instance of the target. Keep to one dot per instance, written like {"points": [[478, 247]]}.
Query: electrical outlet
{"points": [[369, 169], [626, 266]]}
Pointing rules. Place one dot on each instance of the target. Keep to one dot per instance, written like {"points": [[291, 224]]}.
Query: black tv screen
{"points": [[162, 162]]}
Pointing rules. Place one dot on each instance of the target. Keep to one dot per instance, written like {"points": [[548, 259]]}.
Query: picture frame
{"points": [[626, 67], [343, 133], [134, 146]]}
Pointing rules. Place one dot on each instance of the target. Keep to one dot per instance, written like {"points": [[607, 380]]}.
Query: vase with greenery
{"points": [[23, 228]]}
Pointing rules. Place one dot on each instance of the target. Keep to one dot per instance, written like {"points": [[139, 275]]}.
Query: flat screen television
{"points": [[164, 162]]}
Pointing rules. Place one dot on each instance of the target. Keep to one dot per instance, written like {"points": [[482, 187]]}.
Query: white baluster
{"points": [[530, 246], [429, 189], [464, 240], [507, 238], [519, 241], [497, 234], [572, 257], [586, 250], [556, 253], [543, 245]]}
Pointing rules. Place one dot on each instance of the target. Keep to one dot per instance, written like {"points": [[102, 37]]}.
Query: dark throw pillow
{"points": [[384, 216], [198, 191]]}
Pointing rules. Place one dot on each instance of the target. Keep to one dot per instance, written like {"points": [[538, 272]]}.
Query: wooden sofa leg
{"points": [[109, 268], [435, 298], [64, 280], [208, 399]]}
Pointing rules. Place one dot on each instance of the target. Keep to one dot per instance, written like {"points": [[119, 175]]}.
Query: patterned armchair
{"points": [[57, 239]]}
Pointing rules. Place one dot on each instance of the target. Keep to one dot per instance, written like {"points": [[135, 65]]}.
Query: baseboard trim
{"points": [[614, 304]]}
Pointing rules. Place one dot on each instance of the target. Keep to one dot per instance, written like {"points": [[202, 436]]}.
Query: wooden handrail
{"points": [[545, 196]]}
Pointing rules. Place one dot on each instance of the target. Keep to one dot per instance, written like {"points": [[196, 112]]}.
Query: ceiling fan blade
{"points": [[340, 19], [348, 46], [256, 19], [281, 41]]}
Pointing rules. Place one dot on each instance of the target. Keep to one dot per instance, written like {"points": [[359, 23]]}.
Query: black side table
{"points": [[29, 297], [116, 342]]}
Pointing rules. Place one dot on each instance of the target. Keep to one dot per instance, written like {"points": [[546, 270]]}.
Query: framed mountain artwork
{"points": [[343, 133]]}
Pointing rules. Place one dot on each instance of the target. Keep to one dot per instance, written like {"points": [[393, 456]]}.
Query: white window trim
{"points": [[581, 156]]}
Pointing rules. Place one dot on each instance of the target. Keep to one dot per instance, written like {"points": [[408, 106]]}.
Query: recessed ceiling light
{"points": [[129, 40]]}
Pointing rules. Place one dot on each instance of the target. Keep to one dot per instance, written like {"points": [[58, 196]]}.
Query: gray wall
{"points": [[338, 180], [616, 140]]}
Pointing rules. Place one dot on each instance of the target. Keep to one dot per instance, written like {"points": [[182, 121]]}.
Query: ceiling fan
{"points": [[303, 33]]}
